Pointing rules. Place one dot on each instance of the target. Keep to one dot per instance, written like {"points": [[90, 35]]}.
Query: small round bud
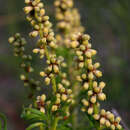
{"points": [[102, 121], [56, 68], [28, 9], [47, 80], [96, 116], [43, 97], [101, 96], [74, 44], [90, 110], [54, 108], [42, 74], [35, 50], [11, 39], [93, 99], [98, 73], [86, 86], [103, 112], [108, 124], [64, 97], [42, 110], [22, 77]]}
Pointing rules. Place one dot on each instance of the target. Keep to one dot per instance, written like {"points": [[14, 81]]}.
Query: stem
{"points": [[54, 124], [2, 116], [39, 124], [48, 58]]}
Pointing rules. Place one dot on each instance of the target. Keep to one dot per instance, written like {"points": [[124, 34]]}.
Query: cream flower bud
{"points": [[52, 44], [43, 97], [93, 99], [62, 90], [42, 74], [98, 73], [36, 50], [113, 127], [90, 92], [81, 58], [27, 1], [60, 86], [58, 95], [54, 108], [86, 86], [81, 64], [97, 89], [118, 119], [74, 44], [82, 47], [88, 54], [56, 68], [86, 37], [11, 39], [69, 91], [83, 109], [85, 102], [42, 12], [85, 42], [42, 51], [40, 5], [28, 9], [78, 78], [49, 68], [93, 52], [79, 53], [42, 110], [89, 61], [95, 84], [102, 85], [96, 65], [91, 76], [101, 96], [47, 80], [64, 97], [34, 34], [90, 110], [96, 116], [119, 127], [58, 101], [90, 67], [102, 121], [108, 124], [22, 77], [84, 76], [103, 112], [110, 116]]}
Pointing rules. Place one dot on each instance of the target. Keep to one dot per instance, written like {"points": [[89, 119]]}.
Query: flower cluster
{"points": [[63, 96], [42, 28], [19, 43], [68, 19], [53, 68], [87, 78], [83, 72]]}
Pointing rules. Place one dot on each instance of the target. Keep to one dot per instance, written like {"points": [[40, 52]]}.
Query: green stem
{"points": [[2, 116], [54, 124], [48, 58], [39, 124]]}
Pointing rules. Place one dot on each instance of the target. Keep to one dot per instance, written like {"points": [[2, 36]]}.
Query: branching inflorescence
{"points": [[53, 108]]}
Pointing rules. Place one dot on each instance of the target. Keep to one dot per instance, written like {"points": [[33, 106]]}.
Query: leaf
{"points": [[38, 124]]}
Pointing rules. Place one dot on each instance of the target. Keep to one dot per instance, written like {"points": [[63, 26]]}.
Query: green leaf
{"points": [[38, 124]]}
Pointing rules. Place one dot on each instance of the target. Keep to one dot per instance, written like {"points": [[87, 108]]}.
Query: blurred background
{"points": [[108, 23]]}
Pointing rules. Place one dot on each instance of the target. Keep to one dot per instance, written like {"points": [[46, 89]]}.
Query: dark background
{"points": [[108, 23]]}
